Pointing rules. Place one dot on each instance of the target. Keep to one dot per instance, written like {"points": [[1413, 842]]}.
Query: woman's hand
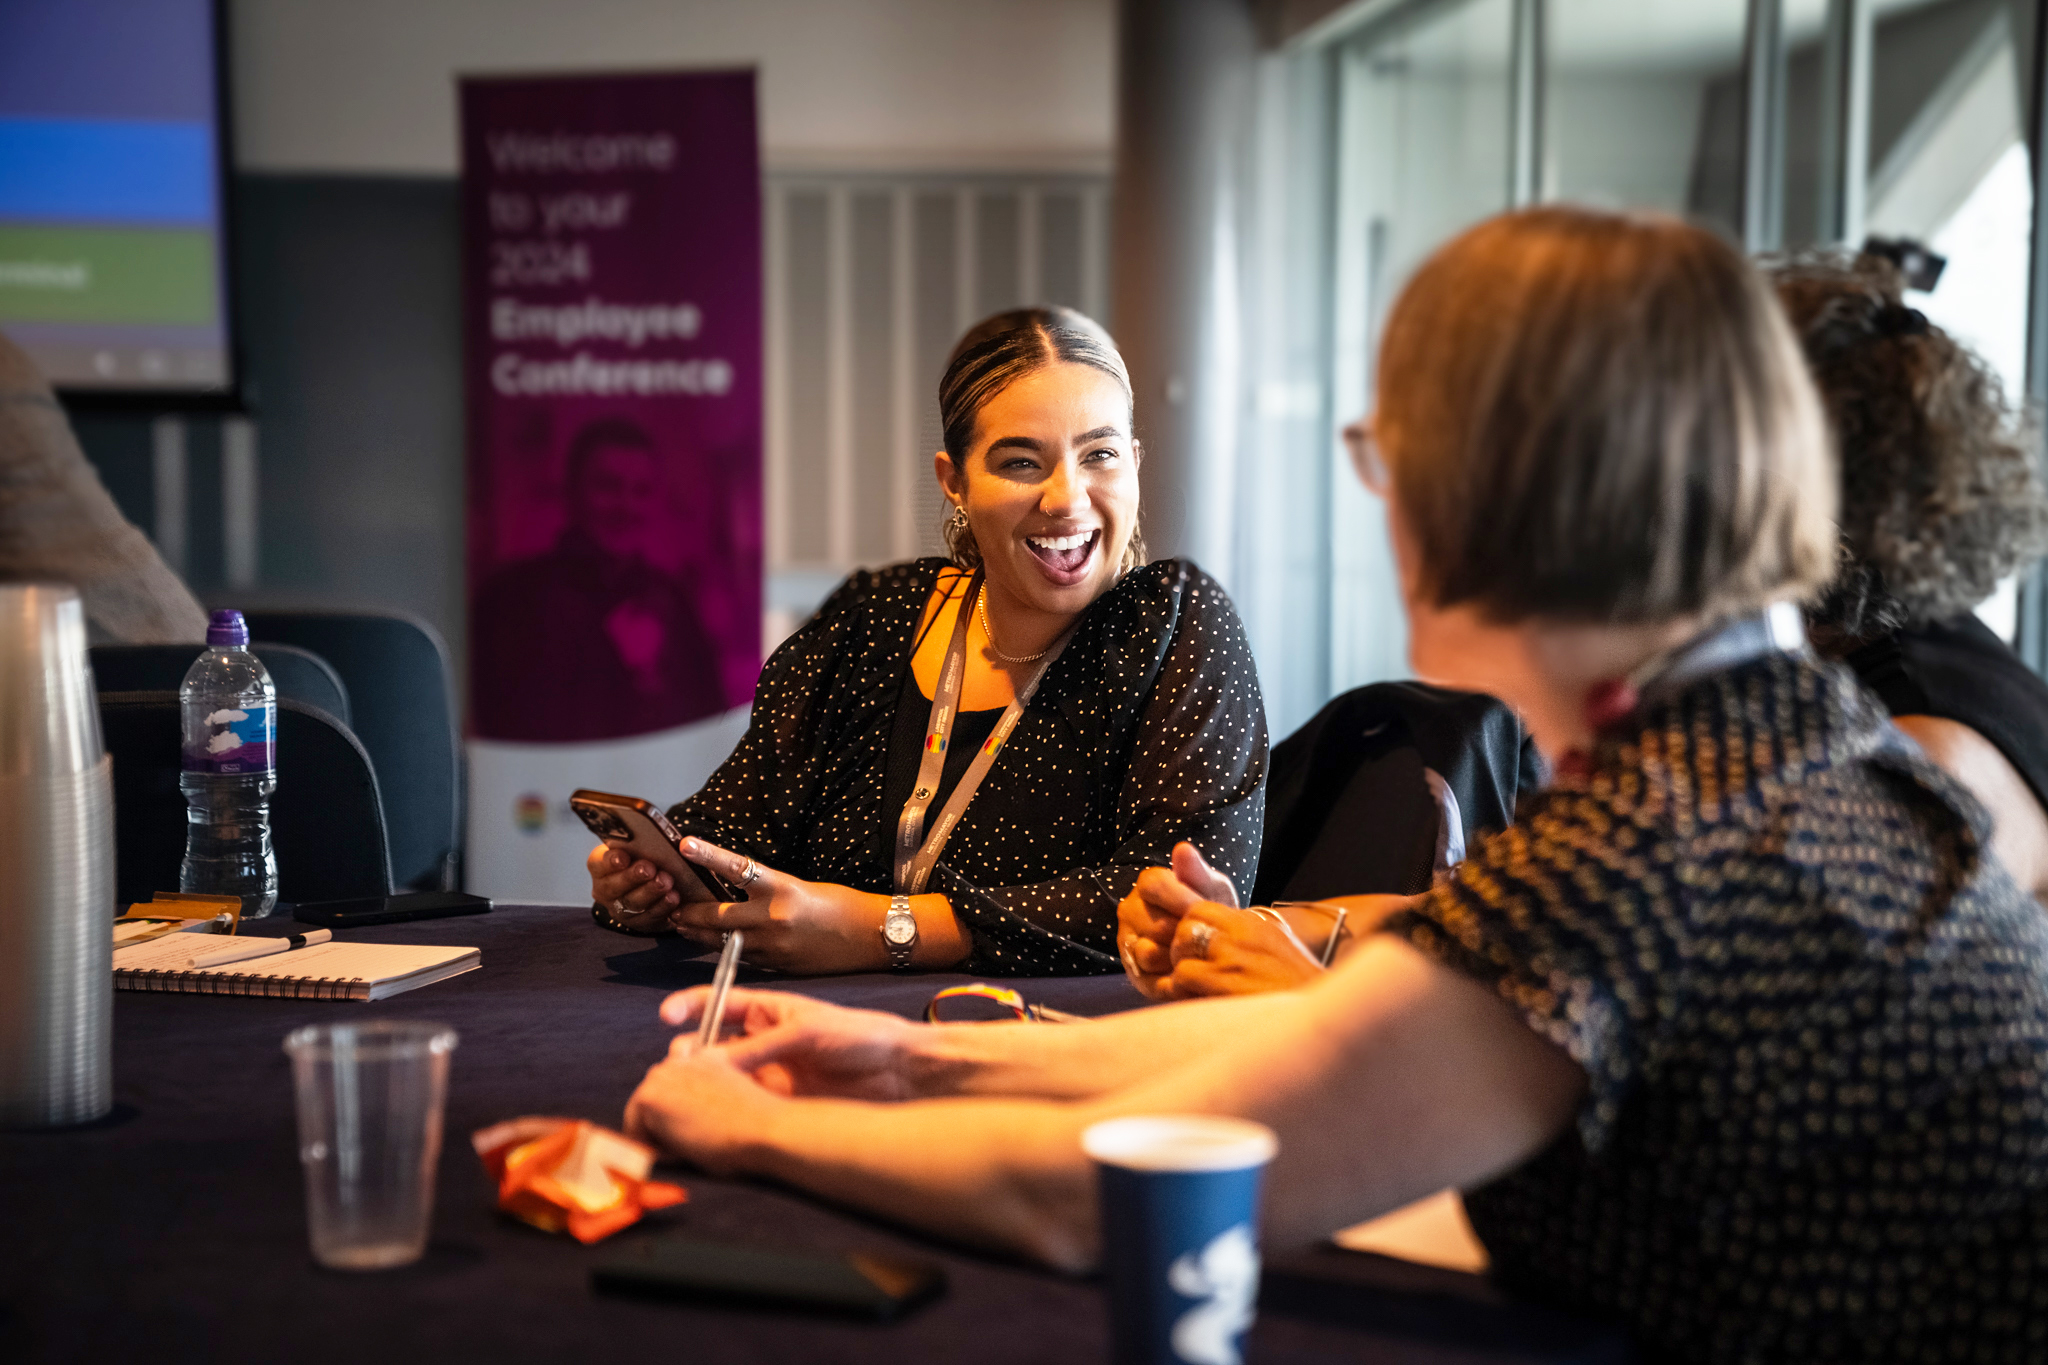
{"points": [[1148, 918], [698, 1105], [636, 893], [1181, 935], [1220, 950], [792, 925], [795, 1045]]}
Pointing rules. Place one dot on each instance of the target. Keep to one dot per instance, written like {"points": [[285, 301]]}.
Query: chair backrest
{"points": [[326, 821], [402, 692], [300, 674], [1350, 807]]}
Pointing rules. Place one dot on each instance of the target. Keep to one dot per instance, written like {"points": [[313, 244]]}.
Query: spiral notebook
{"points": [[323, 971]]}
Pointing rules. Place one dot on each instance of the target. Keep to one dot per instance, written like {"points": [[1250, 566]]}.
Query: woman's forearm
{"points": [[1394, 1077], [1313, 921], [1390, 1078], [1003, 1174], [942, 940], [1076, 1061], [1355, 1076]]}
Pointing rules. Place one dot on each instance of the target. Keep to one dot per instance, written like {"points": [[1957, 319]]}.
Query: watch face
{"points": [[899, 929]]}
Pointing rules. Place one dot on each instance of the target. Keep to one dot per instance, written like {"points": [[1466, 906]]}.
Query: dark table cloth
{"points": [[175, 1229]]}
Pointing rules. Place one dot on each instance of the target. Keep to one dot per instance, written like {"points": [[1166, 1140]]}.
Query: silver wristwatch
{"points": [[899, 932]]}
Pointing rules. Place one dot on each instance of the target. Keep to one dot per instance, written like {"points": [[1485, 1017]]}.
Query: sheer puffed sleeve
{"points": [[756, 802], [1159, 695]]}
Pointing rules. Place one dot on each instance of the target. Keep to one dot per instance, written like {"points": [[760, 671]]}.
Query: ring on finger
{"points": [[619, 906], [1200, 934], [749, 874]]}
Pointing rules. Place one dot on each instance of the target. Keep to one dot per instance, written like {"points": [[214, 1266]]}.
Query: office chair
{"points": [[402, 694], [1384, 784], [298, 673], [326, 821]]}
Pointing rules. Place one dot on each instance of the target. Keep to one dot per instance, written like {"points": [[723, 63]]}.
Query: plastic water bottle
{"points": [[229, 708]]}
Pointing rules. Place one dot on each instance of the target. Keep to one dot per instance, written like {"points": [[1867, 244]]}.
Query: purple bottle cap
{"points": [[227, 628]]}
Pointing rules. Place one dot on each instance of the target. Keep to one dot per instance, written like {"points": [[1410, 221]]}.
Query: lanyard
{"points": [[915, 860]]}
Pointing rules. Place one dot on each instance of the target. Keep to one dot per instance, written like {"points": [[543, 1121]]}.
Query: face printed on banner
{"points": [[596, 631], [613, 490], [1051, 486]]}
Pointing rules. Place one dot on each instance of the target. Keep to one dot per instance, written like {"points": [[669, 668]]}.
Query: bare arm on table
{"points": [[1390, 1053]]}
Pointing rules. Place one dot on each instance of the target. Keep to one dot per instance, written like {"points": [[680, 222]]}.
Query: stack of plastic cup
{"points": [[56, 868]]}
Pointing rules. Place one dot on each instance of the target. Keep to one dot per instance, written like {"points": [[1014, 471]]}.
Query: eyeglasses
{"points": [[1366, 457]]}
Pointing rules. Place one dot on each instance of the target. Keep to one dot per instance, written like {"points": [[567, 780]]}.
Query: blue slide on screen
{"points": [[106, 171]]}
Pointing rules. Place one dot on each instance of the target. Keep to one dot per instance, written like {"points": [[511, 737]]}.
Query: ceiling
{"points": [[1621, 35]]}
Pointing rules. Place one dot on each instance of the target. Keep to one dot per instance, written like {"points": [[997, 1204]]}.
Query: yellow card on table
{"points": [[132, 929], [191, 905]]}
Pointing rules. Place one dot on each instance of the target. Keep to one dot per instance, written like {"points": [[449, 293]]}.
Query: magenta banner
{"points": [[612, 320]]}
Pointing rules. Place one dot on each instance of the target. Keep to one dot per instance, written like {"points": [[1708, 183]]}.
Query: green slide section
{"points": [[60, 274]]}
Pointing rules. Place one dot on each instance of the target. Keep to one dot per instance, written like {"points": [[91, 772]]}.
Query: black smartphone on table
{"points": [[402, 908], [859, 1284], [641, 829]]}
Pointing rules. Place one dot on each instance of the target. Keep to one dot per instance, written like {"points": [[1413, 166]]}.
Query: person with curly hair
{"points": [[1939, 503]]}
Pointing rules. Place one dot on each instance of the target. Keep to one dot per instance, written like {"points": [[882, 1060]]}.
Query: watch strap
{"points": [[899, 953]]}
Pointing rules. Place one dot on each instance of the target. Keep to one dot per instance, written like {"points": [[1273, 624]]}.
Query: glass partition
{"points": [[1948, 166], [1422, 152], [1644, 106], [1900, 118]]}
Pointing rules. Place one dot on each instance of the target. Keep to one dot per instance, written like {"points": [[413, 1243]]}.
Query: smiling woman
{"points": [[969, 763]]}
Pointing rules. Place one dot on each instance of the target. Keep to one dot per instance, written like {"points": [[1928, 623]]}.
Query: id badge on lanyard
{"points": [[916, 852]]}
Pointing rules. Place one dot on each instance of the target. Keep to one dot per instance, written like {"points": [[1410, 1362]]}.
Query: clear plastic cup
{"points": [[369, 1097]]}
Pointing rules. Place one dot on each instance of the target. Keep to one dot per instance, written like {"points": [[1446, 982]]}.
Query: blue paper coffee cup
{"points": [[1180, 1230]]}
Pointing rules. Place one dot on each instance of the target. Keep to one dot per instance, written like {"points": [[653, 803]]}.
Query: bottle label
{"points": [[238, 740]]}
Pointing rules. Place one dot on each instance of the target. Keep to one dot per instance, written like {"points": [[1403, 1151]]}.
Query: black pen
{"points": [[244, 949]]}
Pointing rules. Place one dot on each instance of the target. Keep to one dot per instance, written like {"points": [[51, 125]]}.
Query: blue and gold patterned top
{"points": [[1813, 1012]]}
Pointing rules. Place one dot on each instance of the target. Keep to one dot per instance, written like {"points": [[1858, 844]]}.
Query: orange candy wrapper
{"points": [[569, 1175]]}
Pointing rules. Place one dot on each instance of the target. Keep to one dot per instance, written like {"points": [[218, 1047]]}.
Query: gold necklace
{"points": [[981, 610]]}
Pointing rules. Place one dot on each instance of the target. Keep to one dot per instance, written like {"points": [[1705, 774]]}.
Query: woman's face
{"points": [[1050, 486]]}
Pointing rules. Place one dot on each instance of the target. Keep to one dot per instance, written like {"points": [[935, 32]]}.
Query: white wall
{"points": [[367, 86]]}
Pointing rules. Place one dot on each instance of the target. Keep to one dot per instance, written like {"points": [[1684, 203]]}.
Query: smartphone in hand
{"points": [[643, 831]]}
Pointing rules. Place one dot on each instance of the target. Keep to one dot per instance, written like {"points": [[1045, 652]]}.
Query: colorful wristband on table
{"points": [[1000, 995]]}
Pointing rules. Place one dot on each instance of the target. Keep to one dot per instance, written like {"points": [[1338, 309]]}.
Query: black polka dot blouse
{"points": [[1813, 1011], [1148, 729]]}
